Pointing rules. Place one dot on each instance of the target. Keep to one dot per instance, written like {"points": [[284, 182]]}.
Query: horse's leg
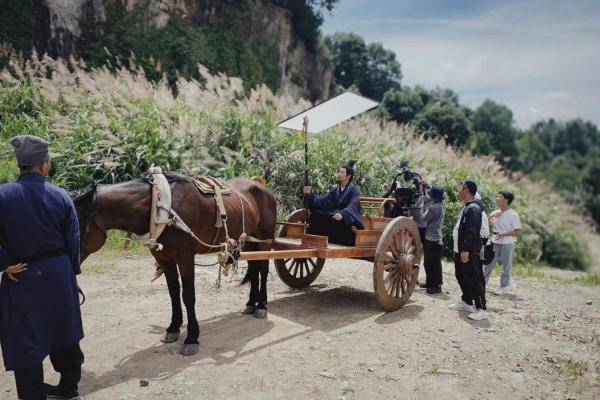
{"points": [[186, 270], [261, 308], [172, 277], [252, 277]]}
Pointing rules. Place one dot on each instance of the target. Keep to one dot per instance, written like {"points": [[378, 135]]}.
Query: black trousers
{"points": [[336, 231], [30, 381], [470, 278], [433, 253]]}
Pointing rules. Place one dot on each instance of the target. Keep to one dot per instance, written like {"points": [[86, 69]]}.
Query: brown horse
{"points": [[126, 206]]}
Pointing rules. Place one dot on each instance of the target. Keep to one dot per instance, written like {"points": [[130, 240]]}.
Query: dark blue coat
{"points": [[39, 314], [346, 202]]}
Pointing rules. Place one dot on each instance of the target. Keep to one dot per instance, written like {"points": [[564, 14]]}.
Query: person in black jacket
{"points": [[466, 260]]}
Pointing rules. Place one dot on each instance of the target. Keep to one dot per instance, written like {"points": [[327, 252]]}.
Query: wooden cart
{"points": [[393, 245]]}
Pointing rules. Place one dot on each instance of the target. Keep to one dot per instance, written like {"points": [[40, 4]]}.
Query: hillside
{"points": [[109, 127], [270, 42]]}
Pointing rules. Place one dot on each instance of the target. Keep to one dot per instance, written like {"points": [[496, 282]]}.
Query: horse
{"points": [[127, 206]]}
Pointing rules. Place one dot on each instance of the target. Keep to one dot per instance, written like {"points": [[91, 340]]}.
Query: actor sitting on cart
{"points": [[334, 214]]}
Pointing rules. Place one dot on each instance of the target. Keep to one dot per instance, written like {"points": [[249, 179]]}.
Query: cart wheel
{"points": [[396, 266], [298, 272]]}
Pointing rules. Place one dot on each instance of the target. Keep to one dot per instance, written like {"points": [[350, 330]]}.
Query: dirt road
{"points": [[331, 342]]}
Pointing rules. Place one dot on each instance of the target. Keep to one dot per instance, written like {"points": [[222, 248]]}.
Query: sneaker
{"points": [[478, 315], [58, 393], [503, 291], [421, 285], [462, 306]]}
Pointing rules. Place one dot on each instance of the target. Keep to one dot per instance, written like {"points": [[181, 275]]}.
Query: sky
{"points": [[539, 58]]}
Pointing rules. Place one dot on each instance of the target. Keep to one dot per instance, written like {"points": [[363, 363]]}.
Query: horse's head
{"points": [[92, 236]]}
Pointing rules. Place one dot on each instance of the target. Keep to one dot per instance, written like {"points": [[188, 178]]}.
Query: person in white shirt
{"points": [[506, 228]]}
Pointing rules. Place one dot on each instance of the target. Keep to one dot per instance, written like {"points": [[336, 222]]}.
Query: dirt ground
{"points": [[331, 342]]}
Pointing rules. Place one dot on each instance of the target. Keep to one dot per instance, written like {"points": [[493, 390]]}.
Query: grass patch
{"points": [[525, 271], [433, 370], [115, 243], [589, 279], [575, 373]]}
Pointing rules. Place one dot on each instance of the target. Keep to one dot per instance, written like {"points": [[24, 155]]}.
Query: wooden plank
{"points": [[295, 231], [337, 252], [367, 238], [278, 254], [288, 241], [347, 252], [291, 223], [315, 241], [376, 223]]}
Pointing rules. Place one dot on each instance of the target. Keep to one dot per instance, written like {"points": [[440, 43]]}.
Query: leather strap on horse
{"points": [[230, 249]]}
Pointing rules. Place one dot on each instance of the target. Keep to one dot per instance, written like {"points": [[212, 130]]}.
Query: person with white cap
{"points": [[39, 300]]}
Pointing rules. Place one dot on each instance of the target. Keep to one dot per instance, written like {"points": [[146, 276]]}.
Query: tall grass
{"points": [[112, 126]]}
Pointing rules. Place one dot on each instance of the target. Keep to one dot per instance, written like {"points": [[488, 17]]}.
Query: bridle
{"points": [[91, 217]]}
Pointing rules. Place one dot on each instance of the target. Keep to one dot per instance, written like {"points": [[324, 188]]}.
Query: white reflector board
{"points": [[329, 113]]}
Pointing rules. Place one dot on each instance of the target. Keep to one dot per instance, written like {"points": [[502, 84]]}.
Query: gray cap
{"points": [[30, 150]]}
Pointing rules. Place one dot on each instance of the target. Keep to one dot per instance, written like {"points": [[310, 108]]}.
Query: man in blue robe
{"points": [[39, 299], [334, 214]]}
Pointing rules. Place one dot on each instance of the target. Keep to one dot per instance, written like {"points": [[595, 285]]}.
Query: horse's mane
{"points": [[84, 202], [172, 177]]}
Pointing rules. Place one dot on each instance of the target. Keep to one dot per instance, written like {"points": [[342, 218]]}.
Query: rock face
{"points": [[62, 25]]}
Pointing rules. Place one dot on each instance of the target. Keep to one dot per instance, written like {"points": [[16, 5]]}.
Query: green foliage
{"points": [[16, 26], [402, 105], [224, 44], [565, 154], [307, 18], [493, 123], [372, 69], [444, 119]]}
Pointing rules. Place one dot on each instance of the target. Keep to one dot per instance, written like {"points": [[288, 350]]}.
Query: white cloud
{"points": [[540, 55]]}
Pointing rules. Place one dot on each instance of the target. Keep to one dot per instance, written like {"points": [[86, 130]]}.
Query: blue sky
{"points": [[540, 58]]}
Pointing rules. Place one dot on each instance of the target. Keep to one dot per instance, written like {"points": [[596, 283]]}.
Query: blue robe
{"points": [[39, 314], [346, 202]]}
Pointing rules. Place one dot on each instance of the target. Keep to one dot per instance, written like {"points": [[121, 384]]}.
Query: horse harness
{"points": [[162, 215]]}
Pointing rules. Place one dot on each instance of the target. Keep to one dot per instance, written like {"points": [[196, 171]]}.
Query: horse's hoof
{"points": [[249, 310], [260, 313], [190, 349], [170, 337]]}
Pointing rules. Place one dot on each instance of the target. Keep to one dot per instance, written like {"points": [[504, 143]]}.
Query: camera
{"points": [[406, 189]]}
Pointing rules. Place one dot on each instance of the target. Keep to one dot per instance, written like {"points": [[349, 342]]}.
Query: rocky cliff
{"points": [[61, 27]]}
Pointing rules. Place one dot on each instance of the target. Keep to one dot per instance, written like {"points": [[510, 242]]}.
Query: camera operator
{"points": [[432, 215]]}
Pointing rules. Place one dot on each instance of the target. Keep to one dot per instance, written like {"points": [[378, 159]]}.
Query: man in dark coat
{"points": [[39, 299], [466, 257], [334, 214]]}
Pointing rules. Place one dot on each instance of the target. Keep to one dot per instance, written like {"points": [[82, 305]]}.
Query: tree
{"points": [[383, 72], [496, 123], [442, 119], [576, 135], [533, 153], [402, 105], [307, 17], [371, 68]]}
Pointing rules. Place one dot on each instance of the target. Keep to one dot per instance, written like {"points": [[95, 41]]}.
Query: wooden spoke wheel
{"points": [[396, 266], [298, 272]]}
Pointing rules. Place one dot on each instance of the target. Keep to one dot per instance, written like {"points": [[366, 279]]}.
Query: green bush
{"points": [[224, 44]]}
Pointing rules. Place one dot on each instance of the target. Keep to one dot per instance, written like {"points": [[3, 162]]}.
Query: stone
{"points": [[328, 375]]}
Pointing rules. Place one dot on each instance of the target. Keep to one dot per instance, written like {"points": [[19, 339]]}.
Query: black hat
{"points": [[436, 193]]}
